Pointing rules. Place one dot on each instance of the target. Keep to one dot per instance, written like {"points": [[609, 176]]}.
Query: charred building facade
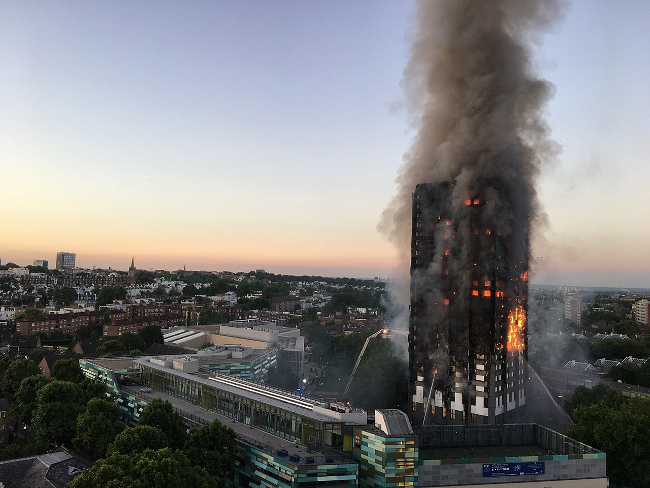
{"points": [[467, 326]]}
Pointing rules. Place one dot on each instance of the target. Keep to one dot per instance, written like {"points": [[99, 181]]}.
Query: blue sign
{"points": [[513, 469]]}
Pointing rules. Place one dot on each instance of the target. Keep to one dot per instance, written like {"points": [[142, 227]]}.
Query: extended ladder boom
{"points": [[356, 365]]}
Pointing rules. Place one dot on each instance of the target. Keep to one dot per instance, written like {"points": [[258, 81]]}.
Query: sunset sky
{"points": [[246, 134]]}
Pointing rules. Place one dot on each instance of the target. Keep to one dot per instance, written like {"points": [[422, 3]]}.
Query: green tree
{"points": [[584, 397], [5, 361], [190, 291], [31, 312], [67, 370], [161, 415], [64, 296], [143, 277], [212, 447], [110, 346], [149, 469], [93, 331], [25, 399], [137, 440], [623, 433], [107, 294], [97, 427], [151, 334], [159, 290], [208, 316], [18, 370], [629, 327], [38, 354], [129, 341], [55, 417], [93, 389]]}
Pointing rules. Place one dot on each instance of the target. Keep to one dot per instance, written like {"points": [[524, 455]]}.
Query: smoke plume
{"points": [[478, 110]]}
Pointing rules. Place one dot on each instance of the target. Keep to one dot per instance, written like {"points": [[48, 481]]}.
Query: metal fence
{"points": [[441, 436]]}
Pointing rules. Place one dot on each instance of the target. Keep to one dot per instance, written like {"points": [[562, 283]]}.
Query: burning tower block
{"points": [[467, 327]]}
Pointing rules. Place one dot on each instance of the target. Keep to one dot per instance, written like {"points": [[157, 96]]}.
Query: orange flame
{"points": [[516, 325]]}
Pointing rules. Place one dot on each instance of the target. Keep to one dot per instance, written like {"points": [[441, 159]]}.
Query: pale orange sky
{"points": [[250, 136]]}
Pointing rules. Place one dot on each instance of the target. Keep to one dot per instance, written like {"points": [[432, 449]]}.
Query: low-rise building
{"points": [[67, 323], [285, 440], [118, 327]]}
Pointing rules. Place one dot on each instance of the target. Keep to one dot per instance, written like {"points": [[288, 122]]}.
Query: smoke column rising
{"points": [[478, 109]]}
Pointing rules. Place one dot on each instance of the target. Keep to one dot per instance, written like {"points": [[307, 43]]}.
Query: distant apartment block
{"points": [[573, 309], [66, 323], [41, 262], [119, 327], [642, 312], [65, 260], [285, 304], [72, 280]]}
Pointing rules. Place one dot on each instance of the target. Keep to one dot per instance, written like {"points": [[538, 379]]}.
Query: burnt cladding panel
{"points": [[430, 217]]}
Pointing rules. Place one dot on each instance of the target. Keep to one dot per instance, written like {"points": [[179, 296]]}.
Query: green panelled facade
{"points": [[131, 406], [256, 467], [255, 370], [385, 461], [277, 421], [259, 469]]}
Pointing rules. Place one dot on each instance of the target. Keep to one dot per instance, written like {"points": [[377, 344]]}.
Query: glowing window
{"points": [[487, 293], [475, 293]]}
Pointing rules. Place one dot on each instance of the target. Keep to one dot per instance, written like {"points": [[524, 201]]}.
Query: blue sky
{"points": [[244, 134]]}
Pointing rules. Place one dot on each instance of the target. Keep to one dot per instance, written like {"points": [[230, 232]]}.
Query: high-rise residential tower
{"points": [[65, 260], [467, 327]]}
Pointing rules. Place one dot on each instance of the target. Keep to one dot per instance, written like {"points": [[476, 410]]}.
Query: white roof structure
{"points": [[579, 366]]}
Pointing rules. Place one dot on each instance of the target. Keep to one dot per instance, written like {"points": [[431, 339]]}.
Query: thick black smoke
{"points": [[478, 107]]}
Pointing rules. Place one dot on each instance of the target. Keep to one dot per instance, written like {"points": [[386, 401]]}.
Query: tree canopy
{"points": [[16, 371], [25, 399], [150, 469], [623, 433], [67, 370], [55, 417], [212, 447], [137, 440], [151, 334], [97, 427], [161, 415], [64, 296], [107, 294]]}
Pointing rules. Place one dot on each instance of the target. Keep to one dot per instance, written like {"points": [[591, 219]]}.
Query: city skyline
{"points": [[244, 136]]}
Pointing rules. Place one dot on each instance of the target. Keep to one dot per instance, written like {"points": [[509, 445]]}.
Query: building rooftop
{"points": [[393, 422], [262, 440], [53, 469], [113, 364], [275, 397]]}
